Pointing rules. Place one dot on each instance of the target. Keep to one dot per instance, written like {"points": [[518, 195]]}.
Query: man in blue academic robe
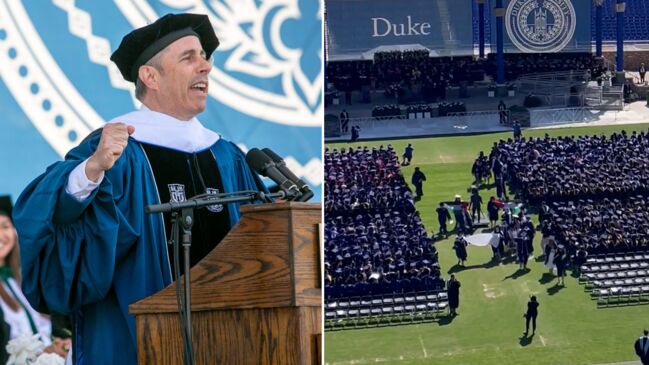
{"points": [[88, 248]]}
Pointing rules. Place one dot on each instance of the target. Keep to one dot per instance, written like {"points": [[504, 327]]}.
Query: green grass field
{"points": [[571, 329]]}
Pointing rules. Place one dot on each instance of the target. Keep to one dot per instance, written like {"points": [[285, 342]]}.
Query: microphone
{"points": [[307, 193], [264, 166]]}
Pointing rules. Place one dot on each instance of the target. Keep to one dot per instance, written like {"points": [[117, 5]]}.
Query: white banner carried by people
{"points": [[482, 239]]}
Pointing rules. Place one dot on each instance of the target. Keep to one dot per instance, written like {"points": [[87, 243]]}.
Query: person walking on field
{"points": [[442, 217], [407, 155], [531, 314], [475, 205], [418, 179], [459, 246]]}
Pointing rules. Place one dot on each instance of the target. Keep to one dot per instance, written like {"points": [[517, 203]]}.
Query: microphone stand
{"points": [[182, 215]]}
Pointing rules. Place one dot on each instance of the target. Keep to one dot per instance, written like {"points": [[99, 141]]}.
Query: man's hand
{"points": [[114, 138]]}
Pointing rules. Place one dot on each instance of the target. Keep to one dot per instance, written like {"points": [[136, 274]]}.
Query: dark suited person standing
{"points": [[502, 112], [642, 348], [418, 179], [475, 204], [355, 133], [517, 130], [344, 121], [532, 312], [453, 290], [642, 71], [443, 216]]}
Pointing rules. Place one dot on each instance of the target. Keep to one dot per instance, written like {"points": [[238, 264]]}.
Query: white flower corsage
{"points": [[24, 350]]}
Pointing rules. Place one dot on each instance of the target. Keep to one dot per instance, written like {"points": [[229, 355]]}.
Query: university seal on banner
{"points": [[540, 25]]}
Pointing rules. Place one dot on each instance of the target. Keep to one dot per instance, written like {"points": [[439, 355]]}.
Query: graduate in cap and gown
{"points": [[453, 292], [88, 248], [19, 318], [417, 180], [459, 246]]}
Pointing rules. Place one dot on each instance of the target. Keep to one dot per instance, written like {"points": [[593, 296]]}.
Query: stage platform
{"points": [[403, 128], [634, 113], [483, 117]]}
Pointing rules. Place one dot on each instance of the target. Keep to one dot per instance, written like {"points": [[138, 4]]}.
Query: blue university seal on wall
{"points": [[540, 25]]}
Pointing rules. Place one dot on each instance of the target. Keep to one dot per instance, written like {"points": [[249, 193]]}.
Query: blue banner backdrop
{"points": [[545, 26], [359, 26], [57, 83]]}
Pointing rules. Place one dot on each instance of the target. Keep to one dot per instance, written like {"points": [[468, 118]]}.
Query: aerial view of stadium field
{"points": [[486, 182], [572, 327]]}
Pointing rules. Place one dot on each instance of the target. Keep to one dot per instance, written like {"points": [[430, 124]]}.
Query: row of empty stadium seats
{"points": [[384, 309], [636, 19], [620, 258], [635, 27], [617, 279], [611, 275], [628, 295]]}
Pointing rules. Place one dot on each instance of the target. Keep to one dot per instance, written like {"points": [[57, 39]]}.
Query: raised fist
{"points": [[113, 141]]}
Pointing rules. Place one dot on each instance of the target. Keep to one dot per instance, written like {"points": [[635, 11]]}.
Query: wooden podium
{"points": [[256, 298]]}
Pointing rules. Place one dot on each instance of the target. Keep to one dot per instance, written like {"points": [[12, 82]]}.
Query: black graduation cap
{"points": [[142, 44], [6, 206]]}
